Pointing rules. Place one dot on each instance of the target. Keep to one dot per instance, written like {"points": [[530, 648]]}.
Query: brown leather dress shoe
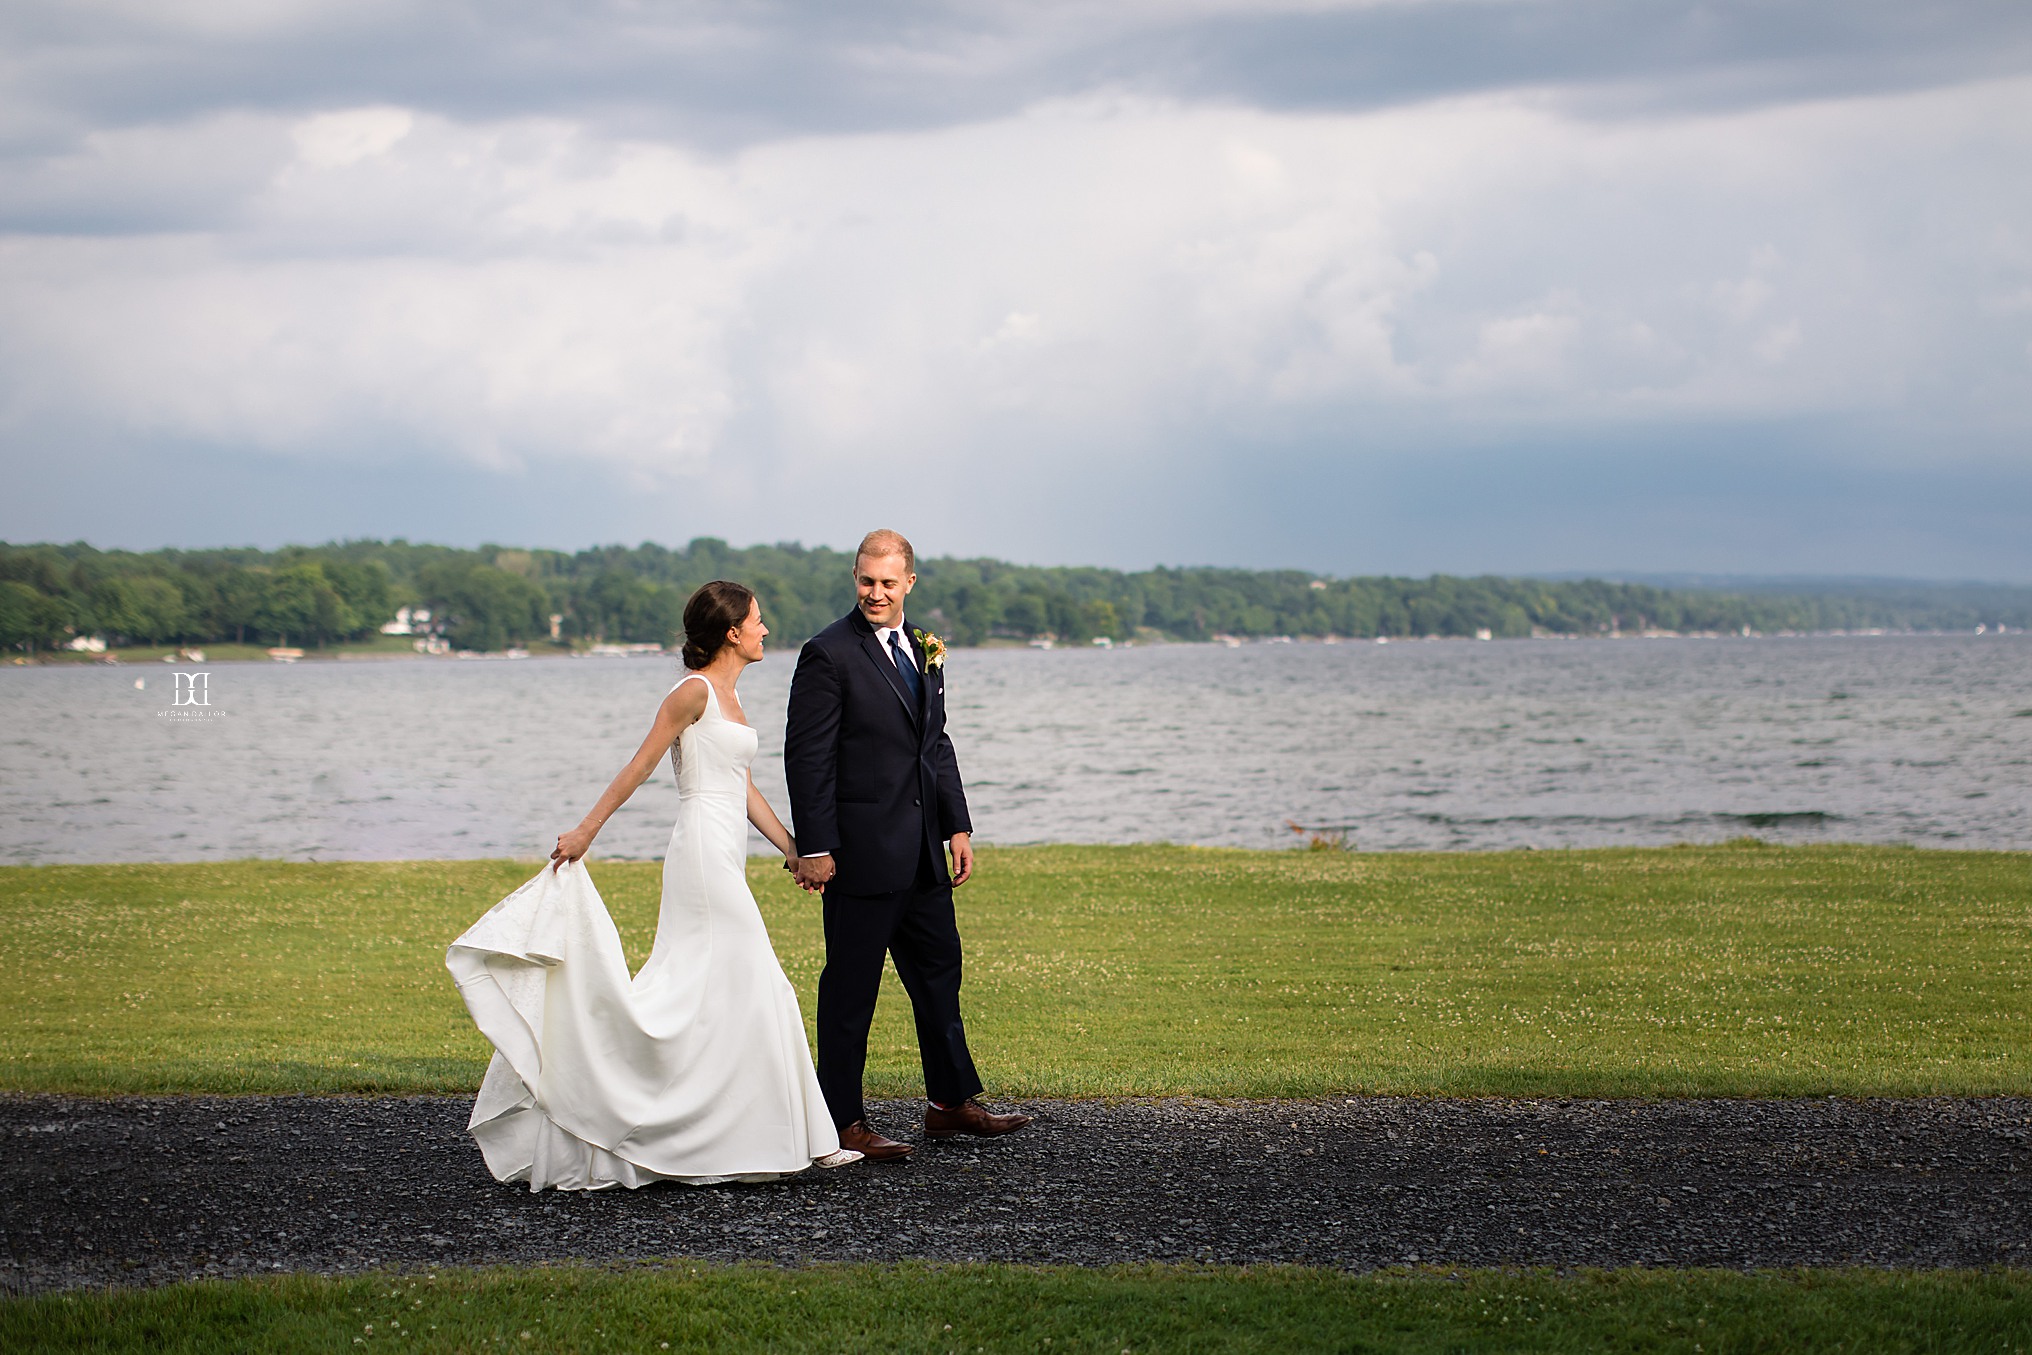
{"points": [[871, 1145], [969, 1117]]}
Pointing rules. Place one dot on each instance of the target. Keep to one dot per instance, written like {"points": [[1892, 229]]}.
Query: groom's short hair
{"points": [[881, 542]]}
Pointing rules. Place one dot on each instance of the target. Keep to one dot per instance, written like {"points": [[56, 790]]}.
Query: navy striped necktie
{"points": [[907, 666]]}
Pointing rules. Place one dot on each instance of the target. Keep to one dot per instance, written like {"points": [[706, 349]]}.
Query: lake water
{"points": [[1456, 745]]}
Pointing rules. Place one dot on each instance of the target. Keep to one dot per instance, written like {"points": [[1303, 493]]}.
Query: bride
{"points": [[696, 1070]]}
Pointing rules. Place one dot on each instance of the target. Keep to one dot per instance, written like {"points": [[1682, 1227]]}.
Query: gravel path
{"points": [[145, 1190]]}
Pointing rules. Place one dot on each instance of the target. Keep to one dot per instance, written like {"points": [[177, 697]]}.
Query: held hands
{"points": [[571, 846], [812, 872]]}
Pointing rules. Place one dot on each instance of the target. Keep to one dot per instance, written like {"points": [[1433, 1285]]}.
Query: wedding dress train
{"points": [[696, 1069]]}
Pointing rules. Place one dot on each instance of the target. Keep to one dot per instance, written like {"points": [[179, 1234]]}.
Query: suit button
{"points": [[918, 803]]}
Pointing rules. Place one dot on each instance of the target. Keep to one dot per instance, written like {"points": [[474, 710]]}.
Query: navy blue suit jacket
{"points": [[872, 775]]}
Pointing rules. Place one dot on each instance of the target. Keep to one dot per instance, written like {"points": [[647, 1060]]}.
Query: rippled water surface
{"points": [[1921, 739]]}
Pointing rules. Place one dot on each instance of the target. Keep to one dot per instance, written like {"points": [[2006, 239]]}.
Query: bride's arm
{"points": [[768, 825], [679, 709]]}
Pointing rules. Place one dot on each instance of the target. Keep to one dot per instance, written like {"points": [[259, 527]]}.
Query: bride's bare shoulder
{"points": [[687, 700]]}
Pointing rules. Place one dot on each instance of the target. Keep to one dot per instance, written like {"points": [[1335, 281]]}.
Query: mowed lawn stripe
{"points": [[1742, 970]]}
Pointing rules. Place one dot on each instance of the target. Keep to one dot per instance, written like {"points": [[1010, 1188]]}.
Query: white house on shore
{"points": [[408, 621]]}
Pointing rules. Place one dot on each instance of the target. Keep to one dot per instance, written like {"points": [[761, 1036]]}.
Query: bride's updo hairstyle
{"points": [[715, 609]]}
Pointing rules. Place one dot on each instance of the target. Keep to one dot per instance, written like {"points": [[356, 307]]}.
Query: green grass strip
{"points": [[1117, 971], [983, 1309]]}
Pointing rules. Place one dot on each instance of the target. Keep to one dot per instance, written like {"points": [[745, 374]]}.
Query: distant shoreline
{"points": [[153, 656], [382, 596]]}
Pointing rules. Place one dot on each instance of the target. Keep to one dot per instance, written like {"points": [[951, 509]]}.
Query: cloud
{"points": [[1605, 57], [733, 73], [335, 140], [988, 261], [1103, 271]]}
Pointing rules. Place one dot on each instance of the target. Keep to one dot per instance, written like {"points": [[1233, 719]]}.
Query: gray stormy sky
{"points": [[1400, 285]]}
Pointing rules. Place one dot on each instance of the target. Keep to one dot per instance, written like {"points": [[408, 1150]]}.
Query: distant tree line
{"points": [[496, 596]]}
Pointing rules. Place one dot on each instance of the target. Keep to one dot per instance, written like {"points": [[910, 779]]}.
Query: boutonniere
{"points": [[934, 648]]}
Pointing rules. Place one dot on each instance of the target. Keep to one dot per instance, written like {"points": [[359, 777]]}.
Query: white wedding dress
{"points": [[696, 1070]]}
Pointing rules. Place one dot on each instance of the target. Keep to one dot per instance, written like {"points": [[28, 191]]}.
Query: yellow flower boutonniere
{"points": [[934, 648]]}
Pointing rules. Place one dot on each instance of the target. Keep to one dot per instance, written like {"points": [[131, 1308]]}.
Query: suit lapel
{"points": [[873, 648], [925, 676]]}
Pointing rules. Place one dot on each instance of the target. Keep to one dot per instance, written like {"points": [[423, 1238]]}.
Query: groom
{"points": [[875, 793]]}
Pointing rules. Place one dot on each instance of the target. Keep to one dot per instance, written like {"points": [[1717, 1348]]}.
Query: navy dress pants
{"points": [[916, 927]]}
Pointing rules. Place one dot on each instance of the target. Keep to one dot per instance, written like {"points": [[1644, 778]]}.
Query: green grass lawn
{"points": [[683, 1307], [1097, 971]]}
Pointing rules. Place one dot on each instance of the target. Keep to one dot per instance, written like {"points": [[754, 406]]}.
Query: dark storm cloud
{"points": [[724, 73], [1612, 54], [740, 72]]}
